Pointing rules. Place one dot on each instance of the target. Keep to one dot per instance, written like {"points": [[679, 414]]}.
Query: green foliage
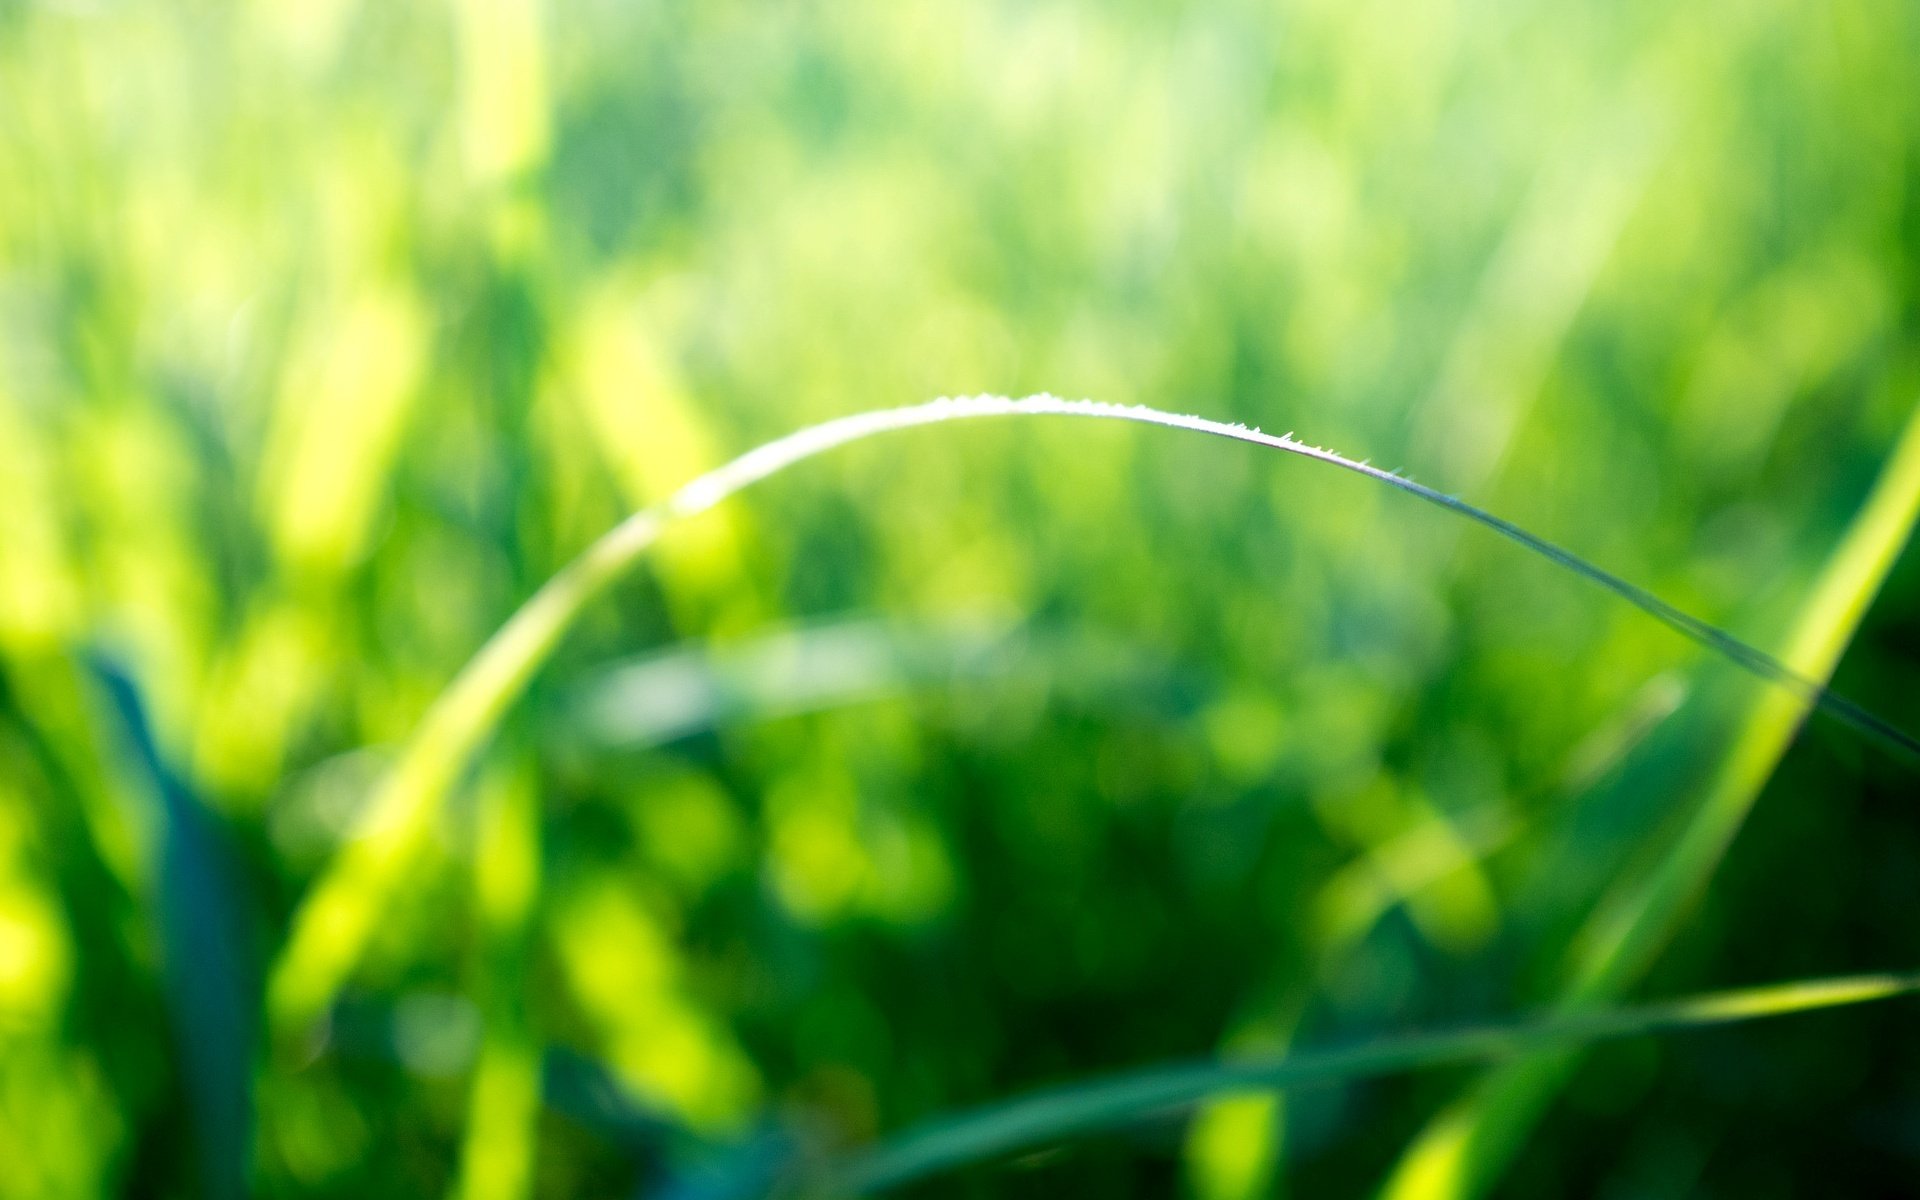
{"points": [[972, 760]]}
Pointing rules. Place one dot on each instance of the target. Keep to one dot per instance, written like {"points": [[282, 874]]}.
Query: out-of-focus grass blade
{"points": [[679, 1163], [685, 690], [497, 1155], [209, 983], [331, 927], [1463, 1151], [584, 1090], [1049, 1116], [751, 1169]]}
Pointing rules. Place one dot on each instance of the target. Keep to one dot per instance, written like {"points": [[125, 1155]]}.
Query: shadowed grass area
{"points": [[1464, 1150]]}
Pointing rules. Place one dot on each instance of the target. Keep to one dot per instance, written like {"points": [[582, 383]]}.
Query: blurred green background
{"points": [[995, 754]]}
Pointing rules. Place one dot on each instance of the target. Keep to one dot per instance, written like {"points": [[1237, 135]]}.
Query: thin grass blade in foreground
{"points": [[1045, 1117], [331, 927], [1463, 1151]]}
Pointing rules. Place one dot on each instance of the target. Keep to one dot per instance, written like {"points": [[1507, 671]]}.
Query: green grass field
{"points": [[1025, 806]]}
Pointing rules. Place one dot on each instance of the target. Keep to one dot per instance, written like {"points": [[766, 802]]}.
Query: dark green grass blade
{"points": [[209, 983]]}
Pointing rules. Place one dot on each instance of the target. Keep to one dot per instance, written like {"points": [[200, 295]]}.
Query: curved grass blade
{"points": [[1045, 1117], [332, 925]]}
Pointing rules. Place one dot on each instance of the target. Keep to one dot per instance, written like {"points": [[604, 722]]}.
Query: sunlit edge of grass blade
{"points": [[1049, 1116], [333, 923], [1464, 1148]]}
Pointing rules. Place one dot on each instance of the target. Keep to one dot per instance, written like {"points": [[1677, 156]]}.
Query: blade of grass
{"points": [[331, 927], [209, 983], [1045, 1117], [1465, 1148], [503, 1108]]}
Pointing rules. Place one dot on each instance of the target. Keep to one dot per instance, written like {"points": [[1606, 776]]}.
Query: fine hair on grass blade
{"points": [[1044, 1117], [331, 926]]}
